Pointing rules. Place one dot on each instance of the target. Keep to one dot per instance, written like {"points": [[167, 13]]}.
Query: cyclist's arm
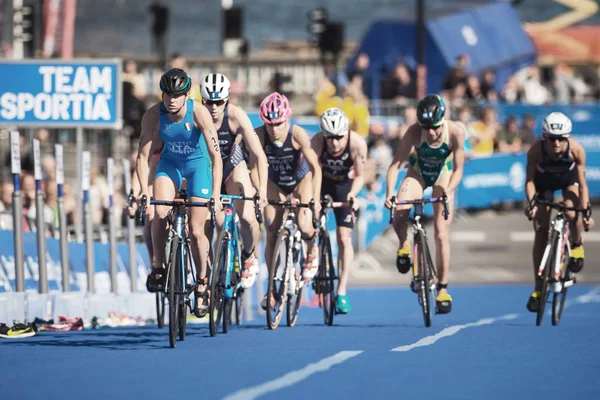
{"points": [[359, 158], [406, 145], [584, 194], [301, 137], [458, 156], [149, 140], [317, 143], [254, 147], [532, 160], [205, 123]]}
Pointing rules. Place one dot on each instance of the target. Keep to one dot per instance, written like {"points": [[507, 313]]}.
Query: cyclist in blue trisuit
{"points": [[233, 126], [434, 148], [342, 154], [191, 151], [556, 162]]}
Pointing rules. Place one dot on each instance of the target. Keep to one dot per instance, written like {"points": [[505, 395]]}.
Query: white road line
{"points": [[593, 296], [452, 330], [527, 236], [468, 236], [291, 378]]}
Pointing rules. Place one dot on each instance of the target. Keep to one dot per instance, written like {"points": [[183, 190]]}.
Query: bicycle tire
{"points": [[325, 279], [558, 299], [431, 277], [275, 312], [217, 286], [173, 296], [239, 306], [424, 290], [227, 306], [547, 282], [160, 309], [182, 291]]}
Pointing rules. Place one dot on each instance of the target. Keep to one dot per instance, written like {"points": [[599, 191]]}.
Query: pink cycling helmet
{"points": [[275, 108]]}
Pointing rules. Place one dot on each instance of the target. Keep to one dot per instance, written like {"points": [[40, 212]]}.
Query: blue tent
{"points": [[489, 32]]}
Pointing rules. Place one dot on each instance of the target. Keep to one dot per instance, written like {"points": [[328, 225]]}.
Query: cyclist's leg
{"points": [[304, 192], [442, 242], [199, 189], [273, 219], [411, 188], [571, 199], [166, 181], [239, 183]]}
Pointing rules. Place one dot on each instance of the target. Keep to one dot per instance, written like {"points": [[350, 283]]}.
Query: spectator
{"points": [[528, 131], [137, 80], [6, 191], [484, 132], [474, 93], [511, 93], [379, 151], [399, 86], [458, 74], [534, 92], [50, 205], [28, 190], [487, 86], [361, 65], [508, 139]]}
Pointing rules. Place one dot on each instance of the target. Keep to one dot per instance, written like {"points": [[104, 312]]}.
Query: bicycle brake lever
{"points": [[143, 210], [257, 212], [392, 209], [211, 204]]}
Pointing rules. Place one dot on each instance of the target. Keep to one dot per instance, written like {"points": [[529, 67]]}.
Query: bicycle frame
{"points": [[234, 256]]}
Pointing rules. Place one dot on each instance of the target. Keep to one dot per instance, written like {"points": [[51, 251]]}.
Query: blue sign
{"points": [[61, 93]]}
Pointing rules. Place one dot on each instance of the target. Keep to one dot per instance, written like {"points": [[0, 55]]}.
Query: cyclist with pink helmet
{"points": [[293, 170]]}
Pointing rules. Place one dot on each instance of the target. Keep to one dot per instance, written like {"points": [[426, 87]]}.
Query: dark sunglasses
{"points": [[216, 103], [555, 138], [334, 138]]}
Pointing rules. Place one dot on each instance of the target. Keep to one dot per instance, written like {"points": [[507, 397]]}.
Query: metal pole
{"points": [[131, 232], [112, 234], [39, 218], [15, 152], [62, 218], [78, 214], [89, 239], [421, 66], [17, 29]]}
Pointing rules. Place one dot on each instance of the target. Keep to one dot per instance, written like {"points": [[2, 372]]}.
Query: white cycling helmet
{"points": [[334, 122], [215, 87], [557, 124]]}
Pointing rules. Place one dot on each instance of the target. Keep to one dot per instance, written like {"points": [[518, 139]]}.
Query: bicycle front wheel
{"points": [[160, 309], [295, 289], [217, 283], [277, 287], [324, 282], [174, 288], [423, 269], [239, 306], [558, 299], [182, 271], [546, 280]]}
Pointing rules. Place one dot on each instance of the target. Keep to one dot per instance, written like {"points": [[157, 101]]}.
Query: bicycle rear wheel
{"points": [[324, 282], [546, 280], [558, 298], [217, 283], [160, 309], [277, 287], [174, 287]]}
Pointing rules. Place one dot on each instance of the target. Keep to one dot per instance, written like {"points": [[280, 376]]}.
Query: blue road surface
{"points": [[488, 347]]}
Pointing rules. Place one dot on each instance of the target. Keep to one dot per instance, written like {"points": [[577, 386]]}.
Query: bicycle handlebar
{"points": [[443, 199], [293, 204], [130, 200], [561, 207], [254, 198], [177, 203]]}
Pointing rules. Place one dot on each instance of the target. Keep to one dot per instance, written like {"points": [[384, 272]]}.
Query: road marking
{"points": [[468, 236], [593, 296], [291, 378], [527, 236], [452, 330]]}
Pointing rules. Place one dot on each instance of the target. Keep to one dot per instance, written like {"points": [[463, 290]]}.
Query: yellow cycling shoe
{"points": [[533, 304], [443, 303], [576, 262], [403, 260]]}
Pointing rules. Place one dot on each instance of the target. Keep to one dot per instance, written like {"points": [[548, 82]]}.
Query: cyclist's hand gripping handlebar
{"points": [[257, 212], [143, 205]]}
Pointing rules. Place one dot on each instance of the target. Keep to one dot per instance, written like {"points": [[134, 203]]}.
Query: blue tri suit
{"points": [[184, 154]]}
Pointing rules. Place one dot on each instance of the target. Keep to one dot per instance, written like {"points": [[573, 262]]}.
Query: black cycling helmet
{"points": [[175, 81], [430, 111]]}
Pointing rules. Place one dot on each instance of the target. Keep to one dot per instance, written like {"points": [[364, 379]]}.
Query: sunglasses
{"points": [[216, 103], [334, 138], [555, 138]]}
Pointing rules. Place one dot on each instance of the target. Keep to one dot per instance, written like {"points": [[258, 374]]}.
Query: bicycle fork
{"points": [[561, 228]]}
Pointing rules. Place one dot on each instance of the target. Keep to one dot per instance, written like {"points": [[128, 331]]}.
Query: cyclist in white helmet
{"points": [[556, 162], [342, 155], [233, 126]]}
